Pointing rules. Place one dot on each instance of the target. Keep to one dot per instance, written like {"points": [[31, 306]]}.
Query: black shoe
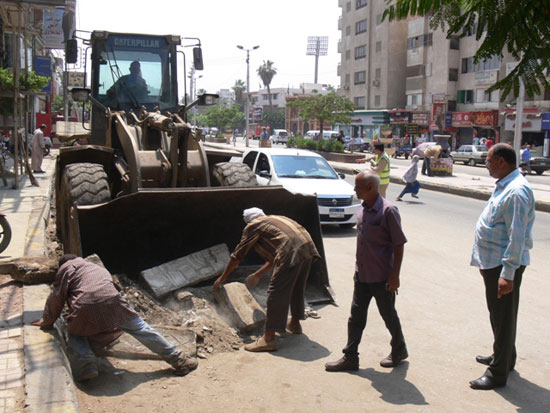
{"points": [[394, 359], [39, 172], [343, 364], [486, 383], [87, 372], [487, 360]]}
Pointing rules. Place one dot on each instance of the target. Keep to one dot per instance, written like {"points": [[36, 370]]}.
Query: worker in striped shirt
{"points": [[501, 252], [289, 250]]}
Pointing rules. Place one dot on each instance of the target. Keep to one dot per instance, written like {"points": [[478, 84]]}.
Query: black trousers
{"points": [[385, 301], [426, 168], [503, 313]]}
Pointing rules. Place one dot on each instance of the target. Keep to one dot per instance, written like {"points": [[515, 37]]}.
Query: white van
{"points": [[279, 136], [327, 134]]}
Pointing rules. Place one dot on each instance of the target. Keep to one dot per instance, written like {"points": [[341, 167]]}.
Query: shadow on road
{"points": [[527, 396], [299, 347], [393, 386], [333, 231]]}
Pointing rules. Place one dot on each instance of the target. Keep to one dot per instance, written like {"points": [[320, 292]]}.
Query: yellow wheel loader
{"points": [[145, 190]]}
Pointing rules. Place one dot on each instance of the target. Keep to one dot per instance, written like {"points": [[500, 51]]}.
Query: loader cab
{"points": [[130, 71]]}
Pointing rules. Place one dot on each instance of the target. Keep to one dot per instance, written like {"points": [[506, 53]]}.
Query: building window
{"points": [[265, 97], [346, 82], [467, 65], [348, 54], [360, 52], [378, 73], [492, 63], [348, 6], [451, 105], [453, 75], [378, 19], [379, 46], [414, 99], [348, 30], [361, 26], [359, 102], [471, 31], [454, 43], [377, 100], [482, 96], [360, 3], [359, 77], [419, 41], [275, 96], [465, 96]]}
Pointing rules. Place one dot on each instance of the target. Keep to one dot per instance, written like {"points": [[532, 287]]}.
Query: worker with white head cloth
{"points": [[289, 250]]}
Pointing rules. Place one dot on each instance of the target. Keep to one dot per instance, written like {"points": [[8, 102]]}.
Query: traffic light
{"points": [[71, 51]]}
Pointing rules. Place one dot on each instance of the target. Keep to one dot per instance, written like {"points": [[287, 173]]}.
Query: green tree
{"points": [[239, 88], [220, 117], [327, 109], [519, 27], [57, 104], [266, 72], [275, 118]]}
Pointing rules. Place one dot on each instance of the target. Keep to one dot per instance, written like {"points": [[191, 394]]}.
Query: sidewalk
{"points": [[33, 371], [479, 187]]}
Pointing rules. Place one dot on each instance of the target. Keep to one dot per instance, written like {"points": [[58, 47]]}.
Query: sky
{"points": [[279, 27]]}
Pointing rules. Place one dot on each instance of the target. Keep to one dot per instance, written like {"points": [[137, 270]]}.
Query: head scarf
{"points": [[252, 213], [415, 158]]}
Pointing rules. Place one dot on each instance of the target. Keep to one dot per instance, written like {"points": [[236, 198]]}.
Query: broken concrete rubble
{"points": [[243, 308], [186, 271], [30, 270]]}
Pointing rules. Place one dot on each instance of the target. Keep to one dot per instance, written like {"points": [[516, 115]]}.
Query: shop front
{"points": [[462, 121], [485, 125], [419, 126], [545, 125], [531, 126], [365, 124]]}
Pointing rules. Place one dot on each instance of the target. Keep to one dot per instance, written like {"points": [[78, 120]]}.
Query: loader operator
{"points": [[97, 316], [130, 88], [287, 248]]}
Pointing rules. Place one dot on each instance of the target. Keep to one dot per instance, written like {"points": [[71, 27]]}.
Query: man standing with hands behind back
{"points": [[380, 246], [501, 252]]}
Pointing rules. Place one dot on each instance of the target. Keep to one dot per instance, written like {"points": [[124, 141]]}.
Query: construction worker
{"points": [[381, 166]]}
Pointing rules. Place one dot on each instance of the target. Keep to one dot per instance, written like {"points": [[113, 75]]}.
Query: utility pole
{"points": [[246, 102], [519, 121]]}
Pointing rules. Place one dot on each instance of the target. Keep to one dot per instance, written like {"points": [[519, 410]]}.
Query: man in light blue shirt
{"points": [[501, 252]]}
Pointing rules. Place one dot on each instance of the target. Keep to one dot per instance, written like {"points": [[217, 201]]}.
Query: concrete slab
{"points": [[48, 381], [187, 271], [243, 308]]}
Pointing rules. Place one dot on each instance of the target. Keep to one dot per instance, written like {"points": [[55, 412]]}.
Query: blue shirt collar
{"points": [[501, 183]]}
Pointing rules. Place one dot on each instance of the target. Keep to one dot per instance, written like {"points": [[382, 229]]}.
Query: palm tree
{"points": [[239, 88], [266, 73]]}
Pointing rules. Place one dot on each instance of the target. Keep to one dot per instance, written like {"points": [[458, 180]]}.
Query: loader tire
{"points": [[81, 184], [233, 174]]}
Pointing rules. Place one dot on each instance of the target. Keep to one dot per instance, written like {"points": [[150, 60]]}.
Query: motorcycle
{"points": [[5, 232]]}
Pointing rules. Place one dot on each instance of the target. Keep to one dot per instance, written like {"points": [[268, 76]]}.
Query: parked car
{"points": [[357, 145], [327, 134], [307, 173], [539, 164], [470, 154], [279, 136], [403, 150]]}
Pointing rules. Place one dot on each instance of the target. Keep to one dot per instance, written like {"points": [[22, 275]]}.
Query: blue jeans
{"points": [[141, 331]]}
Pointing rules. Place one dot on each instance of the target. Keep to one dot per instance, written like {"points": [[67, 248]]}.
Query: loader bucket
{"points": [[142, 230]]}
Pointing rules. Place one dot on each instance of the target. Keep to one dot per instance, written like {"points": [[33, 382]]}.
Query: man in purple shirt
{"points": [[380, 242]]}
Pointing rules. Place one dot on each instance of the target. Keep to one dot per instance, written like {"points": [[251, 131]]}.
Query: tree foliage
{"points": [[220, 117], [239, 88], [275, 118], [519, 27], [327, 109], [266, 72]]}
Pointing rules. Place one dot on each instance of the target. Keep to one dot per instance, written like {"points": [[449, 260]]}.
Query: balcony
{"points": [[340, 23], [415, 83], [340, 3], [339, 46]]}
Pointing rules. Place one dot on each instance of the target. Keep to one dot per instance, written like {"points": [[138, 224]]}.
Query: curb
{"points": [[542, 206]]}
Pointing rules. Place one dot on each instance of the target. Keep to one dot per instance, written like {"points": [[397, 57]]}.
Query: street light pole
{"points": [[246, 102]]}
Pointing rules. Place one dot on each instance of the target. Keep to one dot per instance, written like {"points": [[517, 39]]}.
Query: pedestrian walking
{"points": [[97, 316], [286, 247], [38, 145], [412, 186], [235, 133], [501, 252], [381, 166], [526, 159], [264, 139], [380, 246]]}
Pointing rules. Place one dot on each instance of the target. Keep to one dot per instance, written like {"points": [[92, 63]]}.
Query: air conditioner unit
{"points": [[346, 87], [376, 82]]}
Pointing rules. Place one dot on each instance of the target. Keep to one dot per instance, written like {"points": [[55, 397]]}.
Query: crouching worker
{"points": [[287, 248], [97, 316]]}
